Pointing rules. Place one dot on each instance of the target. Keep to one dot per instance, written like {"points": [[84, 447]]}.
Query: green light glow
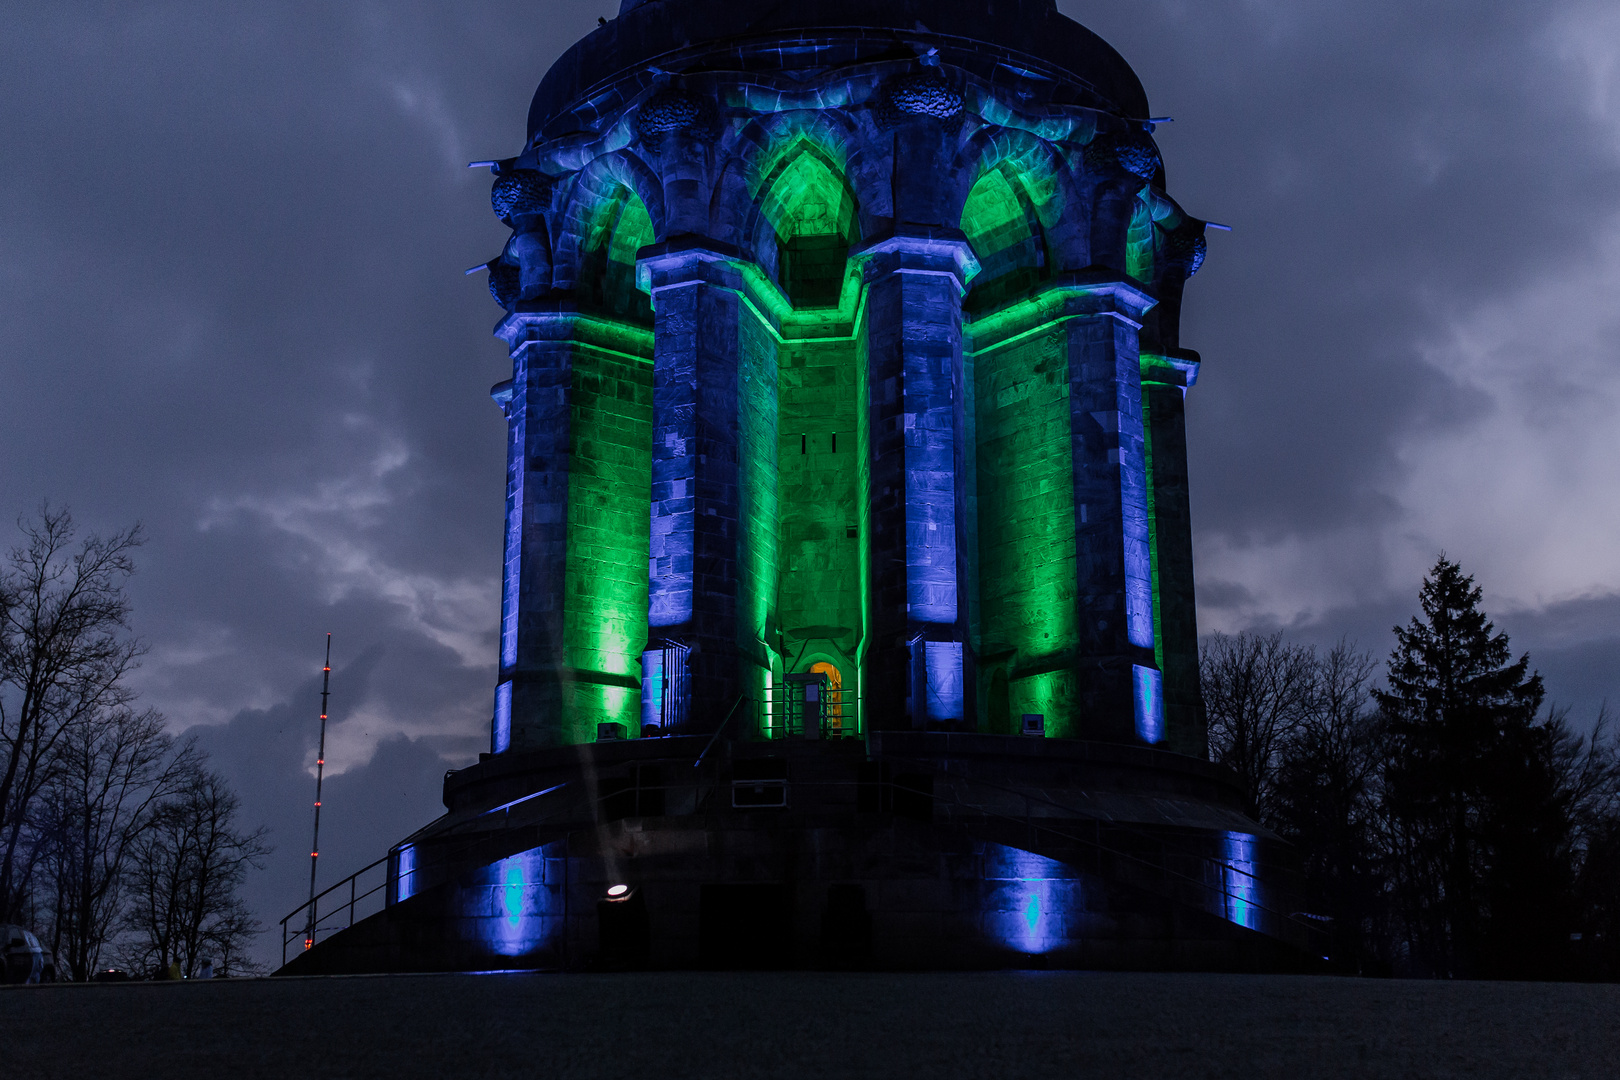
{"points": [[1139, 244], [1153, 531], [610, 472], [607, 274], [757, 561], [806, 201], [1027, 575], [1027, 569], [1000, 221], [812, 210]]}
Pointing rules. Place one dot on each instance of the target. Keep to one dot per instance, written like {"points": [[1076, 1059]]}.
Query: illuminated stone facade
{"points": [[844, 348], [847, 616]]}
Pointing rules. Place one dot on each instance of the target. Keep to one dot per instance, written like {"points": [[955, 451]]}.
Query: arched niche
{"points": [[842, 704], [811, 210], [619, 227], [1001, 222]]}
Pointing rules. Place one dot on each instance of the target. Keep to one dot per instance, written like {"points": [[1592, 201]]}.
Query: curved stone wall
{"points": [[850, 346]]}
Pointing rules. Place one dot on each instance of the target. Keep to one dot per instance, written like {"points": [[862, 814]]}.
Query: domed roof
{"points": [[1031, 31]]}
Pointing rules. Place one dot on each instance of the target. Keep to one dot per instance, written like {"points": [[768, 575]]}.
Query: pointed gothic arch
{"points": [[1003, 224], [805, 219]]}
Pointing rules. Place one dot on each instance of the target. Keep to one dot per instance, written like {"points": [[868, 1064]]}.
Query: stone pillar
{"points": [[916, 671], [1119, 681], [533, 666], [707, 408], [1165, 380], [572, 608]]}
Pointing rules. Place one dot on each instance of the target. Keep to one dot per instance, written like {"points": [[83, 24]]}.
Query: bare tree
{"points": [[116, 770], [1588, 772], [1258, 690], [64, 651], [185, 875], [1326, 804]]}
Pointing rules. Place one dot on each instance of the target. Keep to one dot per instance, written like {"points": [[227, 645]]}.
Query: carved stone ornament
{"points": [[1186, 249], [518, 193], [923, 94], [505, 284], [1134, 152], [674, 110]]}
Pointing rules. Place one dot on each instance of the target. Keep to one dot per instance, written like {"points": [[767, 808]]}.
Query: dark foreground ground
{"points": [[1042, 1025]]}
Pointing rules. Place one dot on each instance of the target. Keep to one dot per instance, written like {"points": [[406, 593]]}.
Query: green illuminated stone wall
{"points": [[818, 450], [805, 200], [605, 616], [1001, 223], [610, 413], [989, 522], [1026, 529], [757, 554], [607, 280]]}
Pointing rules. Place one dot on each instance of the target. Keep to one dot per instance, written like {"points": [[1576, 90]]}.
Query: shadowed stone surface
{"points": [[1004, 1025]]}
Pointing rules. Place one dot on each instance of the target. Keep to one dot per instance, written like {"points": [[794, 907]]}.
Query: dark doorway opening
{"points": [[745, 927], [846, 928], [624, 937]]}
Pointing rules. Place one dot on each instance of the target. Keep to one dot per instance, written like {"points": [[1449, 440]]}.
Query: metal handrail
{"points": [[783, 713], [710, 744], [315, 924], [311, 928]]}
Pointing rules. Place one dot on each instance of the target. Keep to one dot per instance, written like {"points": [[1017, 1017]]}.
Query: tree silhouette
{"points": [[64, 652], [1468, 785]]}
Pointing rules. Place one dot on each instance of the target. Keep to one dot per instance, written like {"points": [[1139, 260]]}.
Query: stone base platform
{"points": [[904, 851]]}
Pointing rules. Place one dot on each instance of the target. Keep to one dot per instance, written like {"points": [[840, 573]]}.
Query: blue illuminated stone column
{"points": [[1120, 686], [916, 671], [533, 668], [701, 420], [1165, 381]]}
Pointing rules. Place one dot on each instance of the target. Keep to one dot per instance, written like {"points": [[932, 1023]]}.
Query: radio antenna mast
{"points": [[320, 768]]}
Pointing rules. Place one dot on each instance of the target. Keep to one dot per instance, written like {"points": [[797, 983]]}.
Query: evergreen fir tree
{"points": [[1465, 785]]}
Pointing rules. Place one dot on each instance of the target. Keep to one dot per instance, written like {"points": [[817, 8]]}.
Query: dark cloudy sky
{"points": [[232, 308]]}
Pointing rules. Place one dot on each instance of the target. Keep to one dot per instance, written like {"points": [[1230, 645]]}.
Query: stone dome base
{"points": [[909, 850]]}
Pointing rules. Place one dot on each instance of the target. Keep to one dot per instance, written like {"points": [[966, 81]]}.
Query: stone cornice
{"points": [[561, 322], [1178, 368], [919, 250], [688, 259], [1087, 294]]}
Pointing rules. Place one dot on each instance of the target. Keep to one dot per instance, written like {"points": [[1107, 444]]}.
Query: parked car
{"points": [[111, 975], [22, 958]]}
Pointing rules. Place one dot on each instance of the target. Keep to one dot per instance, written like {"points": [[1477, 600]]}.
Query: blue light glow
{"points": [[512, 893], [652, 688], [943, 664], [1030, 899], [1149, 685], [513, 905], [1242, 887], [502, 736], [523, 799], [405, 883], [511, 579]]}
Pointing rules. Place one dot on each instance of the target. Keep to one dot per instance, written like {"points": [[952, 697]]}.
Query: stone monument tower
{"points": [[847, 607], [845, 346]]}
